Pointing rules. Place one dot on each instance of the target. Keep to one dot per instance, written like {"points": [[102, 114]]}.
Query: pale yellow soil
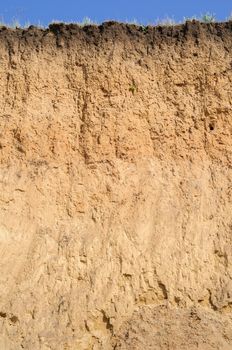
{"points": [[115, 188]]}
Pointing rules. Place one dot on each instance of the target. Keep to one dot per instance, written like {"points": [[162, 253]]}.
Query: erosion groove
{"points": [[115, 187]]}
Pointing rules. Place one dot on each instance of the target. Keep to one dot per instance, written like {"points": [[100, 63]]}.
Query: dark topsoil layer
{"points": [[108, 31]]}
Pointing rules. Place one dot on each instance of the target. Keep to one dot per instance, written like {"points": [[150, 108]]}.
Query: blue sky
{"points": [[145, 11]]}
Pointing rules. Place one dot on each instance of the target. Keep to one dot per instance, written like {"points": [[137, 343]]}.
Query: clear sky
{"points": [[144, 11]]}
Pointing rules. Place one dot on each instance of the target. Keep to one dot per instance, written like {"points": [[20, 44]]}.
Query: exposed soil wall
{"points": [[115, 187]]}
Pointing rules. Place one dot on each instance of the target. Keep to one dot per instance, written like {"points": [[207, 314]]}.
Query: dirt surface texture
{"points": [[116, 187]]}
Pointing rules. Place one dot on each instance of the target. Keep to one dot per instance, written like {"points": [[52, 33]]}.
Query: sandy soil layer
{"points": [[115, 187]]}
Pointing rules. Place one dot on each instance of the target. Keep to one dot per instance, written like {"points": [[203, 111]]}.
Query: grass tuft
{"points": [[167, 21], [230, 17], [208, 18]]}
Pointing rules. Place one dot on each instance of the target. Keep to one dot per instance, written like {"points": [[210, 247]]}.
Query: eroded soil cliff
{"points": [[115, 187]]}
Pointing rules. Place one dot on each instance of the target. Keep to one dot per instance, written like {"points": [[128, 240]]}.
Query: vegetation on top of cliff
{"points": [[166, 21]]}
